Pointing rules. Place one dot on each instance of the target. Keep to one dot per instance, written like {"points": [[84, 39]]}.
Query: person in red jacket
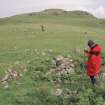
{"points": [[93, 64]]}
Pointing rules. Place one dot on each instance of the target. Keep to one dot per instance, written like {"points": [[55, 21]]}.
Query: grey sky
{"points": [[13, 7]]}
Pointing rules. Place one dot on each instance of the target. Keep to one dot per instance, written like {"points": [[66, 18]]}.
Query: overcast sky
{"points": [[13, 7]]}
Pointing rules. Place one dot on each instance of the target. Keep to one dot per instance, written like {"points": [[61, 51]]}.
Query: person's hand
{"points": [[85, 50]]}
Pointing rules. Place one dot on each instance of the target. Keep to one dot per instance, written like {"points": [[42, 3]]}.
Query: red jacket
{"points": [[94, 61]]}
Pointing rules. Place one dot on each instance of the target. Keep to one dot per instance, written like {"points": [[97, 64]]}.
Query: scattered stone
{"points": [[26, 50], [36, 50], [20, 75], [4, 83], [50, 50], [5, 78], [13, 74], [6, 86], [68, 56], [57, 92], [10, 75], [25, 70], [43, 53], [63, 66], [69, 93], [15, 47], [17, 62], [28, 61], [103, 75]]}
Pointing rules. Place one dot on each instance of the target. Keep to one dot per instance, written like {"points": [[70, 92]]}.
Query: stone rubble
{"points": [[64, 65], [10, 75]]}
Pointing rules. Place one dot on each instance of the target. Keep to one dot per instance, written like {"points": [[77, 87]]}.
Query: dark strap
{"points": [[95, 53]]}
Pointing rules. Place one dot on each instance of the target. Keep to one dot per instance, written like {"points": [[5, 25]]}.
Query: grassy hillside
{"points": [[24, 46]]}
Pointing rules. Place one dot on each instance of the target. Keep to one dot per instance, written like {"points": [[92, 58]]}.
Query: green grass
{"points": [[21, 35]]}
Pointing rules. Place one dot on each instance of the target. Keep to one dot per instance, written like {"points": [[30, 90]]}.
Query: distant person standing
{"points": [[93, 64], [43, 28]]}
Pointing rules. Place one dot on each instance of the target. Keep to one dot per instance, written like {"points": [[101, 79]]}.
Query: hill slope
{"points": [[28, 45]]}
